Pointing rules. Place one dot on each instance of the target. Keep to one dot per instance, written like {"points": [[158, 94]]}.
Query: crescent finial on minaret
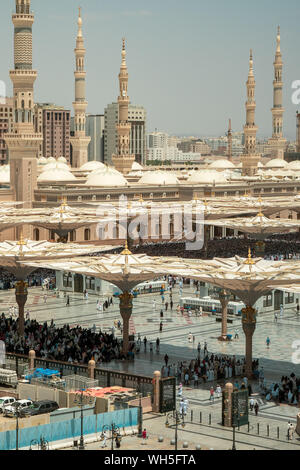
{"points": [[278, 39]]}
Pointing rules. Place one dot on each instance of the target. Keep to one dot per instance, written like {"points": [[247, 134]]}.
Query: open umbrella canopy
{"points": [[124, 270], [9, 221], [259, 225], [63, 220], [15, 254], [248, 278]]}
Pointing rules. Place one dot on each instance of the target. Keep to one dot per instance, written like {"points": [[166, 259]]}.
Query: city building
{"points": [[54, 124], [137, 117], [95, 130], [172, 154], [6, 119], [194, 146]]}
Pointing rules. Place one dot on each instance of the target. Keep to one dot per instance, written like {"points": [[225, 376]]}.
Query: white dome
{"points": [[4, 174], [295, 165], [62, 160], [207, 176], [51, 159], [158, 177], [136, 166], [107, 177], [53, 165], [56, 174], [93, 165], [222, 164], [42, 161], [277, 163]]}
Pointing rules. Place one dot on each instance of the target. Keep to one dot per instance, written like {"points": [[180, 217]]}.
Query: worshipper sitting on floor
{"points": [[76, 345]]}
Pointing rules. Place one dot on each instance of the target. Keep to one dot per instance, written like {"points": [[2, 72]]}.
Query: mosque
{"points": [[41, 182]]}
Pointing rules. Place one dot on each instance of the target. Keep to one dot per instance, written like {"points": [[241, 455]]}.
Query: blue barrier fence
{"points": [[69, 429]]}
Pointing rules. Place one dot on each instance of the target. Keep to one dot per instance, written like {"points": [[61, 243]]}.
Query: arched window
{"points": [[73, 236], [87, 234]]}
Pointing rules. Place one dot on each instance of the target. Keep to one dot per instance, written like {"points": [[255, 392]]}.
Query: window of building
{"points": [[289, 298], [268, 300], [90, 283], [68, 280], [87, 234]]}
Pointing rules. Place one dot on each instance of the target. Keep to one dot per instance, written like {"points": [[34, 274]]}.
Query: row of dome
{"points": [[101, 175]]}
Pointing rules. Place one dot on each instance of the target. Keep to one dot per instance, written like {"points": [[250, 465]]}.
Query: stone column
{"points": [[227, 405], [249, 325], [91, 369], [21, 298], [126, 312], [31, 359], [156, 391], [224, 299], [298, 424], [206, 239]]}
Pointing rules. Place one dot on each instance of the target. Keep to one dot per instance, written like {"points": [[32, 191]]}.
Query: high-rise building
{"points": [[194, 145], [137, 118], [23, 143], [54, 123], [95, 130], [250, 158], [277, 143], [80, 141], [123, 159], [6, 119]]}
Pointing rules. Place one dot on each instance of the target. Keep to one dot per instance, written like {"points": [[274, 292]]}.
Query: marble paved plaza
{"points": [[174, 341], [277, 360]]}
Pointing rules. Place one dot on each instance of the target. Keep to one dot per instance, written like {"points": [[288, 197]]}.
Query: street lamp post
{"points": [[80, 401], [17, 425], [178, 419], [114, 432], [140, 430]]}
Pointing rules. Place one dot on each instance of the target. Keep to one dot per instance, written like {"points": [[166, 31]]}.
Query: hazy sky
{"points": [[187, 60]]}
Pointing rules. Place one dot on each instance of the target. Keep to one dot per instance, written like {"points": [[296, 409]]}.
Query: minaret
{"points": [[80, 141], [123, 160], [298, 133], [250, 158], [23, 143], [229, 142], [277, 143]]}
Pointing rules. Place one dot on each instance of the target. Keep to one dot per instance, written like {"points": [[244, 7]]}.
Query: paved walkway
{"points": [[145, 320]]}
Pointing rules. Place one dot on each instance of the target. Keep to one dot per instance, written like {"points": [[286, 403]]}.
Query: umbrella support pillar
{"points": [[249, 325], [21, 298], [224, 304], [126, 312]]}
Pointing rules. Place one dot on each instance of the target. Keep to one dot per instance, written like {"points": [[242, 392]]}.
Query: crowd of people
{"points": [[73, 345], [37, 278], [285, 391], [211, 368], [278, 247]]}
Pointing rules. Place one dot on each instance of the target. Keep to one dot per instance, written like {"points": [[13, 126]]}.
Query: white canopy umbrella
{"points": [[248, 279], [14, 256]]}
